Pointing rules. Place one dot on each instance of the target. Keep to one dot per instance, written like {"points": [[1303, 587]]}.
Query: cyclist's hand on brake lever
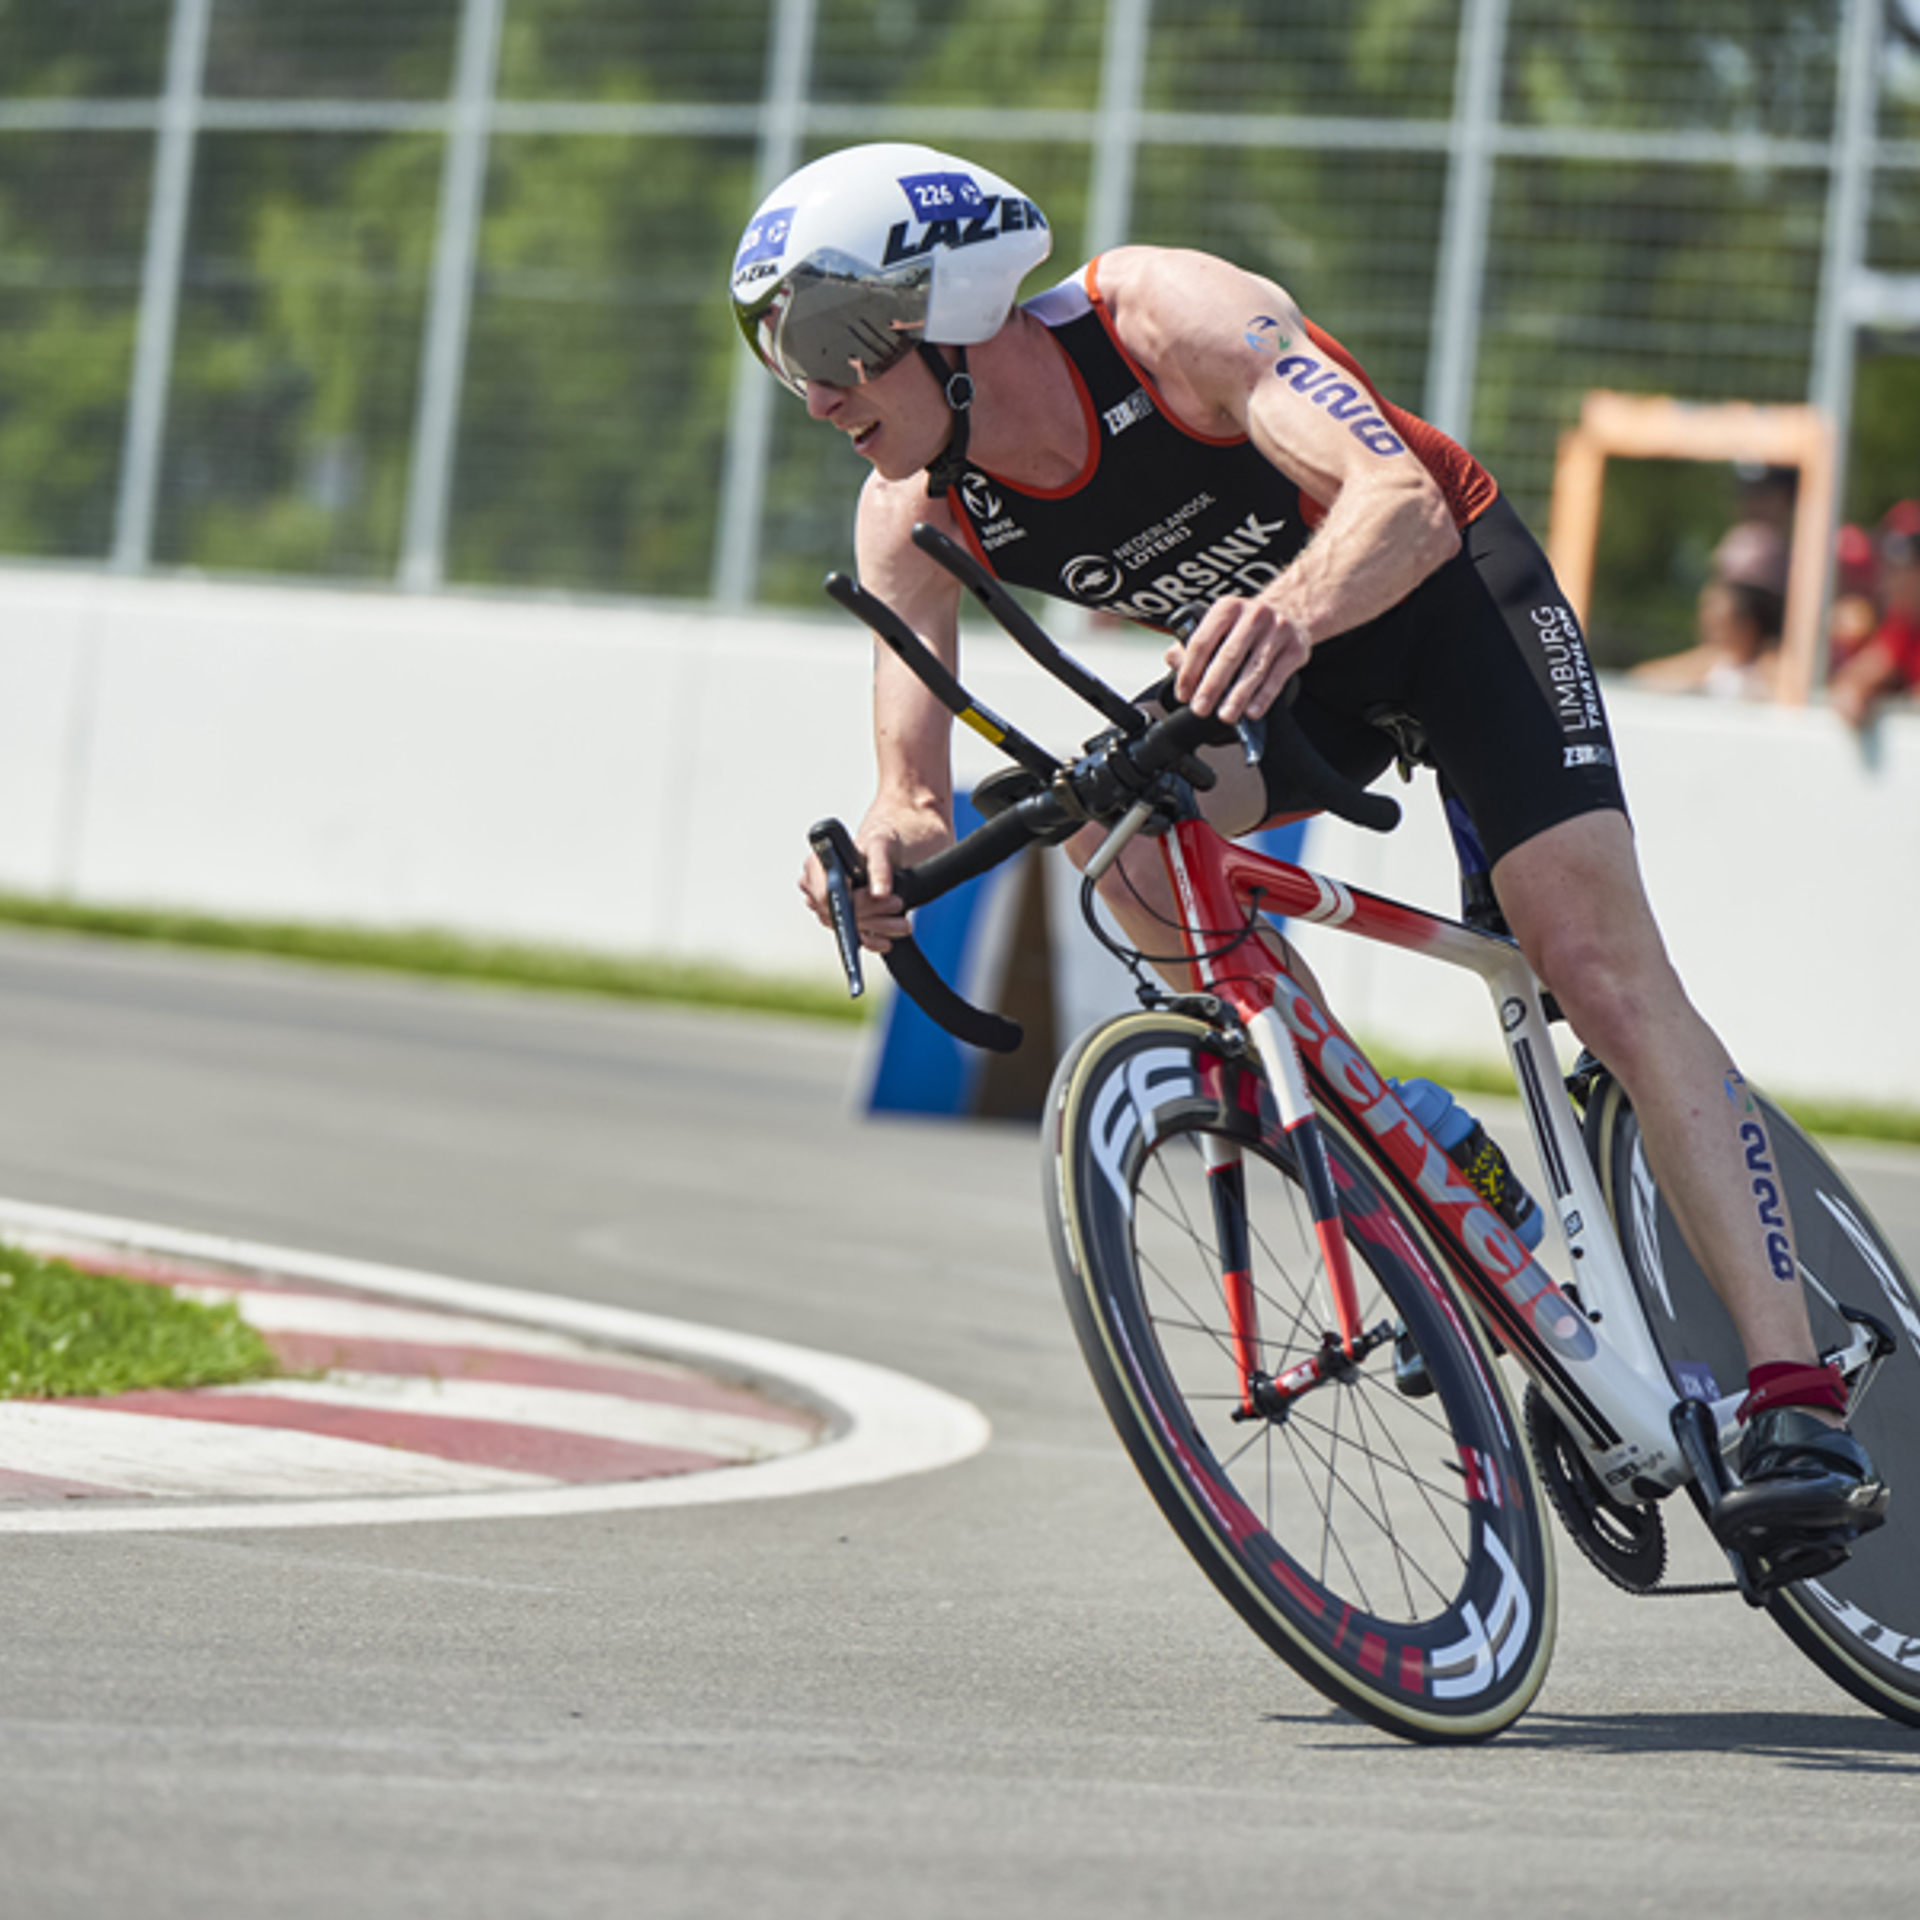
{"points": [[1238, 660], [884, 845]]}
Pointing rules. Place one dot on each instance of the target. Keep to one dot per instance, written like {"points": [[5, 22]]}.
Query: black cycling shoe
{"points": [[1806, 1492]]}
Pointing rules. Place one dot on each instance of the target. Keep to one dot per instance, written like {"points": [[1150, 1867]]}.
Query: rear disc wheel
{"points": [[1859, 1622]]}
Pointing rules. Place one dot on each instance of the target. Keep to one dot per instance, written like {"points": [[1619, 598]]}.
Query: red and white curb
{"points": [[437, 1399]]}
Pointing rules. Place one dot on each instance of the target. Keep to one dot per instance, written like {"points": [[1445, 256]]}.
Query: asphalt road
{"points": [[996, 1689]]}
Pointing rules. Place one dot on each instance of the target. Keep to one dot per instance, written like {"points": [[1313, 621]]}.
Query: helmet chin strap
{"points": [[957, 385]]}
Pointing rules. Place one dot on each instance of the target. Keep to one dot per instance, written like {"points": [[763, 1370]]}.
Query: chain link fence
{"points": [[433, 291]]}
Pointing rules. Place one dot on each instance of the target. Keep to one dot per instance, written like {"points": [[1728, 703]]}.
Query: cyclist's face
{"points": [[898, 420]]}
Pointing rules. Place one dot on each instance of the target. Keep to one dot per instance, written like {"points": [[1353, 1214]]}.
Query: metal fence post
{"points": [[1116, 145], [443, 346], [144, 439], [1460, 282], [1849, 201], [743, 483]]}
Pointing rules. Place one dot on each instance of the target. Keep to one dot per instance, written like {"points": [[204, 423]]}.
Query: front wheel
{"points": [[1388, 1546], [1861, 1622]]}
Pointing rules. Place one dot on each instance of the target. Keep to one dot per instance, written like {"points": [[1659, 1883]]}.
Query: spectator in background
{"points": [[1740, 611], [1855, 612], [1757, 547], [1737, 653], [1886, 665]]}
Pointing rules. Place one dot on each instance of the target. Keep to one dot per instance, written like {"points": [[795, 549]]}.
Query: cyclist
{"points": [[1164, 428]]}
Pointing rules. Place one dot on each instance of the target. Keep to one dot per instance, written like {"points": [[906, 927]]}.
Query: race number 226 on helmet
{"points": [[858, 258]]}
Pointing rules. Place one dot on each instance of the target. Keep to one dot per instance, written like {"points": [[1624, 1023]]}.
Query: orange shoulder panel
{"points": [[1470, 489]]}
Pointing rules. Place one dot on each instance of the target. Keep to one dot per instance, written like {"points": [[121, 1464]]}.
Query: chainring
{"points": [[1627, 1543]]}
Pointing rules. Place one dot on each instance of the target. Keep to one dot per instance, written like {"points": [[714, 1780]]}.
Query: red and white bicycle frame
{"points": [[1610, 1388]]}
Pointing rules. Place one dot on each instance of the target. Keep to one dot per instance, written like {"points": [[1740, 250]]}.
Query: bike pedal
{"points": [[1767, 1556], [1785, 1561]]}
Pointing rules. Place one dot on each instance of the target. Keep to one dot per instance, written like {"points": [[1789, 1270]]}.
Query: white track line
{"points": [[884, 1425]]}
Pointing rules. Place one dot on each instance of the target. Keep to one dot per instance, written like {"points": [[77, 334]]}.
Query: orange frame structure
{"points": [[1642, 427]]}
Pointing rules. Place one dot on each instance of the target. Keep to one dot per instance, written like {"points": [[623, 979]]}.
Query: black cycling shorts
{"points": [[1486, 657]]}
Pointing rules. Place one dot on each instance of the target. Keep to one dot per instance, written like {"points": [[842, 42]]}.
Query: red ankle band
{"points": [[1785, 1383]]}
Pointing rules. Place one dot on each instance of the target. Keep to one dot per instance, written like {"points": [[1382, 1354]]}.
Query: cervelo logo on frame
{"points": [[955, 213], [1485, 1235], [1343, 397]]}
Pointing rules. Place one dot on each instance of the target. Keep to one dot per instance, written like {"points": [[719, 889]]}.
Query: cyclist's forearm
{"points": [[912, 741], [1386, 527], [1377, 544]]}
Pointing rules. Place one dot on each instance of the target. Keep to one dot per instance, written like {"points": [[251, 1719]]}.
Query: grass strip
{"points": [[436, 953], [64, 1333]]}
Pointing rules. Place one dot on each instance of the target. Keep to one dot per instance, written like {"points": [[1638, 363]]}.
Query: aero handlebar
{"points": [[1137, 766]]}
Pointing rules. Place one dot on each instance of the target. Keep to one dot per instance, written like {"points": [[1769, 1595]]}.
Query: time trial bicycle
{"points": [[1304, 1318]]}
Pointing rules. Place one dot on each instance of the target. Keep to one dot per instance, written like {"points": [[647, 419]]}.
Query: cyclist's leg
{"points": [[1574, 900], [1513, 713]]}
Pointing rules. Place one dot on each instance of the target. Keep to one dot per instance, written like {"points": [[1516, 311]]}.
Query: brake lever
{"points": [[913, 973], [840, 859]]}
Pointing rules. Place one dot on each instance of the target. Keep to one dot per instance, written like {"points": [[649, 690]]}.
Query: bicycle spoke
{"points": [[1349, 1461]]}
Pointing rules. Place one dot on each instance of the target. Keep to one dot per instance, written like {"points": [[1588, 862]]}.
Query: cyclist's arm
{"points": [[1191, 321], [912, 811]]}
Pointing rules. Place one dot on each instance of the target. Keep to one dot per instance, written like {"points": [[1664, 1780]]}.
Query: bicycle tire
{"points": [[1392, 1550], [1860, 1623]]}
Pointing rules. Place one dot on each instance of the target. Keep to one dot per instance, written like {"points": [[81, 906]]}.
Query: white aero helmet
{"points": [[860, 257]]}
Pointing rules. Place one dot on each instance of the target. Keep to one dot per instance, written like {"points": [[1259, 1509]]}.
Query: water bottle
{"points": [[1473, 1150]]}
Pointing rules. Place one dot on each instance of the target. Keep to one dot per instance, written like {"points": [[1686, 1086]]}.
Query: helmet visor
{"points": [[835, 319]]}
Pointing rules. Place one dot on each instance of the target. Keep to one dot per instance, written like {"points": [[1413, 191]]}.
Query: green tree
{"points": [[296, 361], [593, 50], [72, 218], [595, 409], [82, 49]]}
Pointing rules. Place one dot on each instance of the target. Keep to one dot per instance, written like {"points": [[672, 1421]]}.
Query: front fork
{"points": [[1262, 1395], [1279, 1058], [1227, 1190]]}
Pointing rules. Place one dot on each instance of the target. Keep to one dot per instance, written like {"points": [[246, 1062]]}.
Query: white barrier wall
{"points": [[641, 778]]}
